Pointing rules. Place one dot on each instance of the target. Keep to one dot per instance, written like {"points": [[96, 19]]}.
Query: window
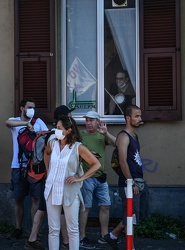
{"points": [[81, 55], [119, 57], [103, 45], [100, 42]]}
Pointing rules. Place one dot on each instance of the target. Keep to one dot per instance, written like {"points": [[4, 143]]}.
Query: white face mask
{"points": [[30, 113], [122, 86], [59, 134]]}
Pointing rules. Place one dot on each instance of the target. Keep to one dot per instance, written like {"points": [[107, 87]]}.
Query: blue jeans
{"points": [[92, 187]]}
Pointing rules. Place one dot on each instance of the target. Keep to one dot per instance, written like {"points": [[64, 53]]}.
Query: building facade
{"points": [[69, 52]]}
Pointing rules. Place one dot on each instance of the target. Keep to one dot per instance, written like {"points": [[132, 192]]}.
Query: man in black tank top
{"points": [[131, 165]]}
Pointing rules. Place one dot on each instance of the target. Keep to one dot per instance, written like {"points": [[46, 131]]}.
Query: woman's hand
{"points": [[72, 179]]}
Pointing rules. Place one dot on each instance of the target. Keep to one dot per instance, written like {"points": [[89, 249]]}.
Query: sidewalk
{"points": [[93, 235]]}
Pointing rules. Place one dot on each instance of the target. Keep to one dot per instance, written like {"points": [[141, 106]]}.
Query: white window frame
{"points": [[111, 119]]}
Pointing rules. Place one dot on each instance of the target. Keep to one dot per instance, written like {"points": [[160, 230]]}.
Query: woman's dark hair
{"points": [[69, 122]]}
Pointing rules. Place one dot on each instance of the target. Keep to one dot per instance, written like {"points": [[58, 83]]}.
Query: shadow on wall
{"points": [[7, 209], [160, 198], [6, 205]]}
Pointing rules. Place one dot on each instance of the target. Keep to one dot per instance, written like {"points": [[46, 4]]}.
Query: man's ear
{"points": [[21, 109], [127, 117], [99, 122]]}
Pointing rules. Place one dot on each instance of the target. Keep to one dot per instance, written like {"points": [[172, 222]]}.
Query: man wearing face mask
{"points": [[32, 242], [27, 109], [122, 92]]}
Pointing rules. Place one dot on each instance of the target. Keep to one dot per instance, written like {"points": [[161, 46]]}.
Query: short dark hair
{"points": [[62, 110], [125, 72], [25, 100], [128, 110]]}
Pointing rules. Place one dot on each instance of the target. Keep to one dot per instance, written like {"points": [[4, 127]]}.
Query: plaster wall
{"points": [[162, 143], [6, 84]]}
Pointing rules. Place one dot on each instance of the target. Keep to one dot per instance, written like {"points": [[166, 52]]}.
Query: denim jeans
{"points": [[92, 186]]}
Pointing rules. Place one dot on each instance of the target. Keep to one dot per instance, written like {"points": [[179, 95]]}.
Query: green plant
{"points": [[157, 225]]}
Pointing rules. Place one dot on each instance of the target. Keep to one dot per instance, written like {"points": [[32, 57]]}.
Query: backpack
{"points": [[36, 169], [25, 138], [115, 160]]}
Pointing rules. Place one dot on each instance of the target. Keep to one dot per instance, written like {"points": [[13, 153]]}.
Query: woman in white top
{"points": [[64, 180]]}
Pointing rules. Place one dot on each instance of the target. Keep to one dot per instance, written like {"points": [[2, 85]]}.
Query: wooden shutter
{"points": [[160, 60], [35, 55]]}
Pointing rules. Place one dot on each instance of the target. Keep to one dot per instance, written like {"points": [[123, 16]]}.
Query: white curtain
{"points": [[122, 26]]}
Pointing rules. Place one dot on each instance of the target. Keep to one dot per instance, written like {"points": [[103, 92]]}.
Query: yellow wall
{"points": [[162, 144], [6, 84]]}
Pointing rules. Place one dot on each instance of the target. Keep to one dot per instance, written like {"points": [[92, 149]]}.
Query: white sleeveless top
{"points": [[62, 164]]}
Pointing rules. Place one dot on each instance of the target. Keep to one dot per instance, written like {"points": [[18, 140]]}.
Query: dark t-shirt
{"points": [[133, 160], [129, 95]]}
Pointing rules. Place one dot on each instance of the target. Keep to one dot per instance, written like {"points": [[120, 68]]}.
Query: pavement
{"points": [[93, 235]]}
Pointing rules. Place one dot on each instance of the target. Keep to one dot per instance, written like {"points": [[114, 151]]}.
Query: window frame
{"points": [[110, 119], [56, 94]]}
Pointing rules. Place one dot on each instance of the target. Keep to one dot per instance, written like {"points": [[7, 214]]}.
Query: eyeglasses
{"points": [[119, 78]]}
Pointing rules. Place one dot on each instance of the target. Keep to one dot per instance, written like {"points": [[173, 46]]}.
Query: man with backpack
{"points": [[130, 162], [32, 242], [19, 184]]}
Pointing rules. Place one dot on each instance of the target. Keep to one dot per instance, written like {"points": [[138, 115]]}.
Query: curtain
{"points": [[123, 28]]}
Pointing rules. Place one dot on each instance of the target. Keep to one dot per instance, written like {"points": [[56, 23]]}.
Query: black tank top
{"points": [[133, 159]]}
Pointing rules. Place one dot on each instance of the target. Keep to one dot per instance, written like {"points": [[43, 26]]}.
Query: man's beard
{"points": [[136, 125], [25, 116]]}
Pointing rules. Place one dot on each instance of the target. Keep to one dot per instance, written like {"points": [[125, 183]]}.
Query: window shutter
{"points": [[34, 58], [160, 60]]}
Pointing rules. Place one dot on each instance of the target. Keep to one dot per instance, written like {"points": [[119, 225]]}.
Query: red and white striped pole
{"points": [[129, 238]]}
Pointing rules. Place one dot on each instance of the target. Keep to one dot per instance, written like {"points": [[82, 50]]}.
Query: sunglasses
{"points": [[119, 78]]}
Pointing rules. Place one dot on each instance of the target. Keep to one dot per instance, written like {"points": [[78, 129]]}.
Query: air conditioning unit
{"points": [[119, 3]]}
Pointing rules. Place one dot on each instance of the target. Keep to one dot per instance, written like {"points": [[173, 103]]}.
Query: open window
{"points": [[100, 42], [97, 39], [119, 57]]}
